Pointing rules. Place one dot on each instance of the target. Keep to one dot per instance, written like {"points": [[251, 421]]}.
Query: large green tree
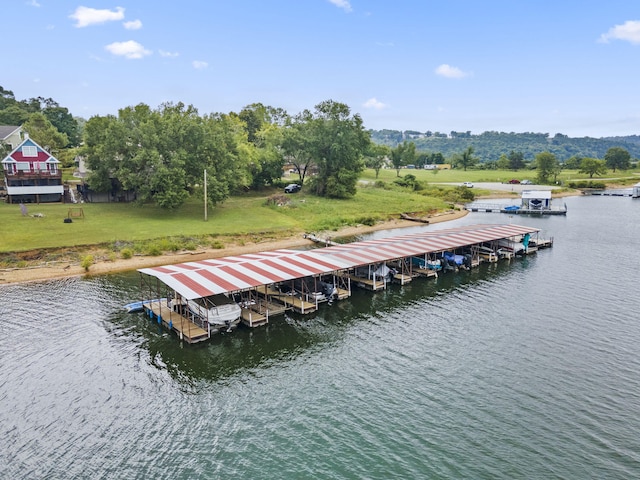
{"points": [[43, 132], [376, 156], [466, 159], [593, 166], [546, 165], [516, 160], [617, 157], [338, 142], [404, 154], [162, 154]]}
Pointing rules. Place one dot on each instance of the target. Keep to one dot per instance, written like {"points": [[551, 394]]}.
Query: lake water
{"points": [[528, 369]]}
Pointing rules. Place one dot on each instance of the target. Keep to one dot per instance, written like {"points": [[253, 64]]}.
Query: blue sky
{"points": [[567, 66]]}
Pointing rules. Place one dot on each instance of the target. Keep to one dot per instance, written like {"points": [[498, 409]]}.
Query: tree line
{"points": [[161, 153], [488, 146]]}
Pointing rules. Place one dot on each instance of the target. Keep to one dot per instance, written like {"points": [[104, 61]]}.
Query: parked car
{"points": [[526, 182], [514, 181], [292, 188], [467, 184]]}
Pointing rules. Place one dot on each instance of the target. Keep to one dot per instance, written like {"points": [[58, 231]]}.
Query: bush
{"points": [[369, 221], [587, 184], [154, 250], [86, 263], [126, 253]]}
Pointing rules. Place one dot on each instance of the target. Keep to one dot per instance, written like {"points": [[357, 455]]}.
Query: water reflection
{"points": [[287, 336]]}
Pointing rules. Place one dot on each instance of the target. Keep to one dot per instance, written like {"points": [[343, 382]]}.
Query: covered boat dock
{"points": [[269, 283]]}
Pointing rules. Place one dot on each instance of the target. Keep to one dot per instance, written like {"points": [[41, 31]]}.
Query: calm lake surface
{"points": [[528, 369]]}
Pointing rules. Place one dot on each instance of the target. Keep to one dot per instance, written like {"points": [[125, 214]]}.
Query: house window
{"points": [[29, 151]]}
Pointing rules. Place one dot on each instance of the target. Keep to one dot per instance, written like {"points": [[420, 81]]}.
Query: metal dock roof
{"points": [[242, 272]]}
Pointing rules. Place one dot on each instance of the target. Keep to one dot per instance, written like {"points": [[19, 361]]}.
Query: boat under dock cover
{"points": [[239, 273]]}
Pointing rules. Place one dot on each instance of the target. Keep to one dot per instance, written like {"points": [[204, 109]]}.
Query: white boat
{"points": [[515, 248], [219, 311]]}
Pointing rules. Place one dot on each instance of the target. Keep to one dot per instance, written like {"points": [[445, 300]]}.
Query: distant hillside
{"points": [[490, 145]]}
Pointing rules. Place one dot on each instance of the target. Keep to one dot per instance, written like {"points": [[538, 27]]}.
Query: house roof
{"points": [[231, 274], [7, 130], [541, 194], [42, 156]]}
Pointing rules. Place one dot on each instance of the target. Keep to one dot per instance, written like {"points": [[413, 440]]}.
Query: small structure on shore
{"points": [[536, 202]]}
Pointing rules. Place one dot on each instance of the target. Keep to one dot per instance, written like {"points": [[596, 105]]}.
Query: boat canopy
{"points": [[245, 272]]}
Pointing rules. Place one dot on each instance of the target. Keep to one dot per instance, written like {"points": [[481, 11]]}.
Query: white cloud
{"points": [[85, 16], [33, 3], [374, 103], [133, 25], [344, 4], [448, 71], [199, 64], [130, 49], [164, 53], [628, 31]]}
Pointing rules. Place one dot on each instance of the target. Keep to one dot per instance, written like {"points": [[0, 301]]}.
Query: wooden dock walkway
{"points": [[185, 328], [367, 283], [295, 303]]}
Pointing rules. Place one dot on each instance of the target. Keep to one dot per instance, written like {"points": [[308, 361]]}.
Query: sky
{"points": [[568, 66]]}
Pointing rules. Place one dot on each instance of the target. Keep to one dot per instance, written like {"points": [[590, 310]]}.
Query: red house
{"points": [[31, 175]]}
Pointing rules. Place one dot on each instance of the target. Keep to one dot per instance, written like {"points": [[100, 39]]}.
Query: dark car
{"points": [[292, 188], [514, 181]]}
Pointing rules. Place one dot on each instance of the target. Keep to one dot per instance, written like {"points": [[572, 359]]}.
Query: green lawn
{"points": [[471, 175], [246, 214]]}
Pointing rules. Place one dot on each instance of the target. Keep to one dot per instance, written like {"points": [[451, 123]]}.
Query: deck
{"points": [[291, 301], [185, 328], [367, 283]]}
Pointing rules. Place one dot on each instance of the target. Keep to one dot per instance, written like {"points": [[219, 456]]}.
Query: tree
{"points": [[162, 154], [503, 162], [44, 133], [13, 115], [64, 122], [516, 160], [296, 144], [375, 157], [547, 165], [593, 166], [404, 154], [617, 157], [466, 158], [573, 163], [337, 144]]}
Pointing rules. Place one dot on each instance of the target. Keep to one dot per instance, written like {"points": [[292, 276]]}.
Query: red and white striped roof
{"points": [[243, 272]]}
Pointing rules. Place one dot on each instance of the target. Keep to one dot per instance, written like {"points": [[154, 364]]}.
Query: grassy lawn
{"points": [[247, 215], [502, 176], [240, 215]]}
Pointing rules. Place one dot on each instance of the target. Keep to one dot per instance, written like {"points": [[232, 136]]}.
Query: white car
{"points": [[467, 184]]}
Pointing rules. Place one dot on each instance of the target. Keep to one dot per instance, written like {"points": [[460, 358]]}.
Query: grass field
{"points": [[243, 215], [240, 215], [502, 176]]}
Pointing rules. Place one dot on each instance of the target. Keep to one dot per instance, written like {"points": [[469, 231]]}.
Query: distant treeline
{"points": [[489, 146]]}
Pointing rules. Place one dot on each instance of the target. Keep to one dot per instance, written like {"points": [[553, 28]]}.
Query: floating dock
{"points": [[269, 283]]}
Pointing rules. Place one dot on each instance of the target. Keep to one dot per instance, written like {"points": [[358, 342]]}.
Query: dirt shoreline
{"points": [[66, 270]]}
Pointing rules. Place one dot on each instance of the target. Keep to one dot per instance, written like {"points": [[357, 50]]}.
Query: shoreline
{"points": [[102, 267]]}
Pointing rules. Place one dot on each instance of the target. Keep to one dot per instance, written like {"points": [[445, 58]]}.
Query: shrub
{"points": [[126, 253], [86, 263], [154, 250], [369, 221]]}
